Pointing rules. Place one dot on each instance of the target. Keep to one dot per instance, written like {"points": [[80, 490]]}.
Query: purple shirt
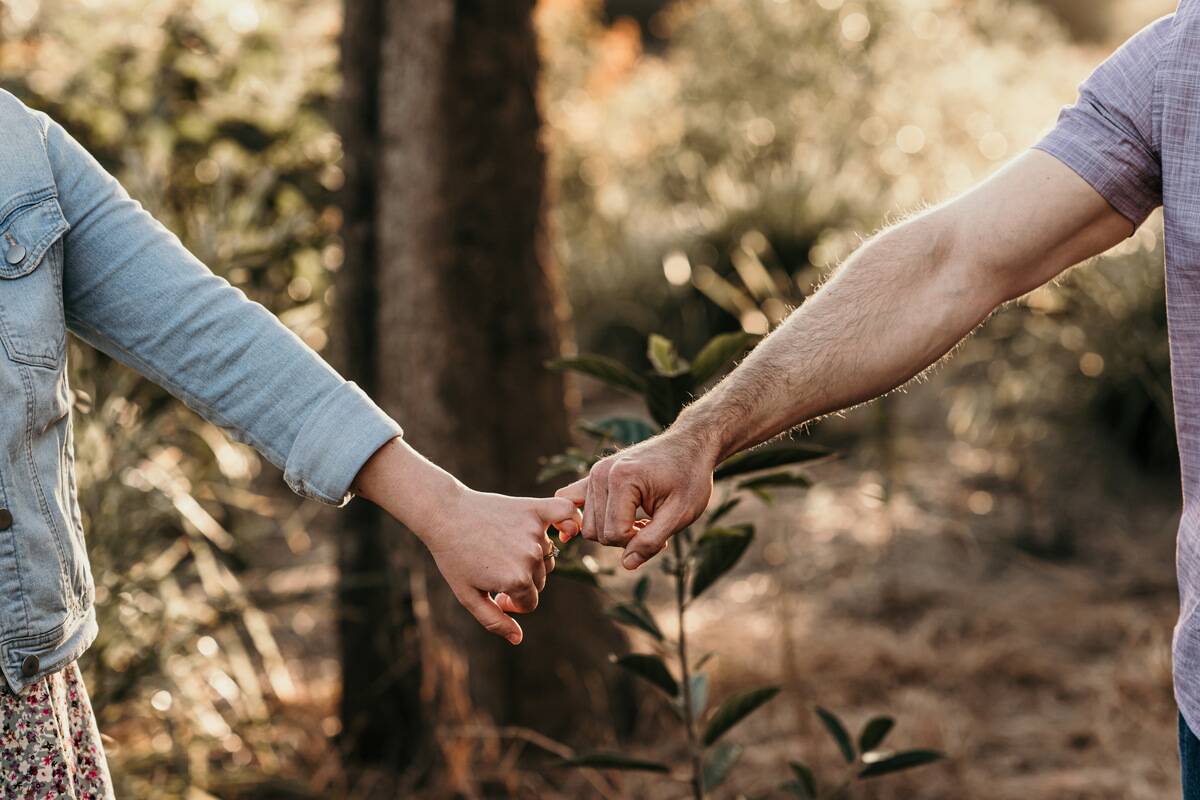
{"points": [[1134, 135]]}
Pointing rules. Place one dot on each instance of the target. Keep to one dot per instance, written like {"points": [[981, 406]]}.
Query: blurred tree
{"points": [[449, 306]]}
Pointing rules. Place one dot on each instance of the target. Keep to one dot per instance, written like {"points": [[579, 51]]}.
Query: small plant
{"points": [[700, 556], [863, 762]]}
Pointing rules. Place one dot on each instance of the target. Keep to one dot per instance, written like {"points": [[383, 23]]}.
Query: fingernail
{"points": [[514, 639], [632, 561]]}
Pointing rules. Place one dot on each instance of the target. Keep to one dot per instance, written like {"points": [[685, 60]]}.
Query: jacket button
{"points": [[15, 254], [30, 666], [5, 519]]}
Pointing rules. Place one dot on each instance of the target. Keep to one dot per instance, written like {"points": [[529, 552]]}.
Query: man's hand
{"points": [[668, 477], [483, 544]]}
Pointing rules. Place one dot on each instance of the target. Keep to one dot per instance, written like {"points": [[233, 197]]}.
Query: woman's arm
{"points": [[132, 290]]}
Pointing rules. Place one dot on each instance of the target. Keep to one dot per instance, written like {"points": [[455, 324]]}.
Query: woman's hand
{"points": [[490, 543], [483, 544]]}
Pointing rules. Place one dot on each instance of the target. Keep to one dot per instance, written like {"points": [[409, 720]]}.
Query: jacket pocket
{"points": [[32, 324]]}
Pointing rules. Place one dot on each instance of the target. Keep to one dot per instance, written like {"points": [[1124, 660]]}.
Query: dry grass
{"points": [[1041, 677]]}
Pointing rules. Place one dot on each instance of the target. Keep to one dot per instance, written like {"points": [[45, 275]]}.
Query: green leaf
{"points": [[613, 761], [723, 509], [718, 763], [768, 457], [806, 782], [698, 690], [663, 357], [666, 397], [640, 590], [838, 731], [635, 616], [718, 352], [773, 480], [624, 431], [651, 669], [874, 732], [608, 370], [735, 709], [716, 553], [574, 463], [906, 760]]}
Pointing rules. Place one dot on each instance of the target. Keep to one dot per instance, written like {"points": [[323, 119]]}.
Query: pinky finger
{"points": [[493, 619]]}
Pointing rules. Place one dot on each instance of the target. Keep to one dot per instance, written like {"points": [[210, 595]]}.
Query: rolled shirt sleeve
{"points": [[1109, 137], [132, 290]]}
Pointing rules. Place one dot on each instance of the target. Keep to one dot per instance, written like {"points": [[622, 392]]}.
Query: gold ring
{"points": [[554, 551]]}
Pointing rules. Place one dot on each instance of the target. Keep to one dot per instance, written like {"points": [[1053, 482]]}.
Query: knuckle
{"points": [[622, 470]]}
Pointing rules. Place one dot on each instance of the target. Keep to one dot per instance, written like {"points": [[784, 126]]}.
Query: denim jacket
{"points": [[76, 253]]}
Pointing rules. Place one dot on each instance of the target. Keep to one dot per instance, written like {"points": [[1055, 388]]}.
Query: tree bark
{"points": [[381, 667], [465, 306]]}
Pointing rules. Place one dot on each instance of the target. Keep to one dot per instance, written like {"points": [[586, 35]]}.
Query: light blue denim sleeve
{"points": [[132, 290]]}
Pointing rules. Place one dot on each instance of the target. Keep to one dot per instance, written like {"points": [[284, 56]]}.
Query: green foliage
{"points": [[634, 615], [651, 669], [604, 369], [717, 354], [736, 709], [874, 732], [838, 731], [698, 561], [621, 431], [768, 458], [805, 784], [662, 356], [865, 763], [716, 552], [718, 762]]}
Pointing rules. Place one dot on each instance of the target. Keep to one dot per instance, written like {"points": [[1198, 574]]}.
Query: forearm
{"points": [[898, 305], [131, 289]]}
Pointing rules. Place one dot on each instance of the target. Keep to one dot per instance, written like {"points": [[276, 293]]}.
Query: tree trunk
{"points": [[465, 306], [381, 667]]}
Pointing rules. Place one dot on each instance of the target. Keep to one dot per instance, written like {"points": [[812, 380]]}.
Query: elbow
{"points": [[955, 266]]}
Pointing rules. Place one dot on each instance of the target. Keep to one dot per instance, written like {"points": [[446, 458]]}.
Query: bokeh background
{"points": [[990, 560]]}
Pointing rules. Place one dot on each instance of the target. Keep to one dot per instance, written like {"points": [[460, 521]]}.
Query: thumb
{"points": [[491, 617], [652, 539]]}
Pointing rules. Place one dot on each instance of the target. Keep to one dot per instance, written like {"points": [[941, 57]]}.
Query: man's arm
{"points": [[897, 305]]}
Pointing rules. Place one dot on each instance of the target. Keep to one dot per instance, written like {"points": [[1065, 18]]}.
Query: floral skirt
{"points": [[49, 743]]}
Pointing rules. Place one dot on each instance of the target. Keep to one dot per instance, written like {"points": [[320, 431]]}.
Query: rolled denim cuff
{"points": [[340, 434]]}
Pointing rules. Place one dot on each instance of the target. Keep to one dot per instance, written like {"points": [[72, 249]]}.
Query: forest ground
{"points": [[1026, 636]]}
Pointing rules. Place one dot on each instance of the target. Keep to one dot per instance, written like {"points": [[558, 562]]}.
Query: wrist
{"points": [[410, 488], [702, 440]]}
